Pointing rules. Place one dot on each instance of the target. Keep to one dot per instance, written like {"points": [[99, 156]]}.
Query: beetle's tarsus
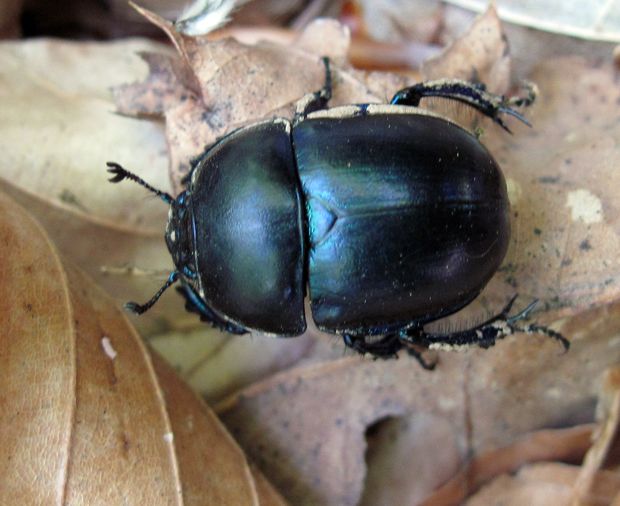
{"points": [[134, 307], [540, 329], [120, 174]]}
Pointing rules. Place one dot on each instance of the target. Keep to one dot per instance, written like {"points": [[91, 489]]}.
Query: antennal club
{"points": [[120, 173]]}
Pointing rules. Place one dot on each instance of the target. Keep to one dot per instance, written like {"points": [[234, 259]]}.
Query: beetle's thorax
{"points": [[179, 236]]}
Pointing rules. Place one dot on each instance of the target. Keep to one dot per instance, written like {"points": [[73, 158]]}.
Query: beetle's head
{"points": [[179, 236]]}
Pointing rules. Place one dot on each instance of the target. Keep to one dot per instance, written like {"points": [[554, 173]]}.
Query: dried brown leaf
{"points": [[563, 187], [604, 437], [481, 55], [544, 484], [488, 398], [225, 84], [87, 416], [567, 445], [267, 495]]}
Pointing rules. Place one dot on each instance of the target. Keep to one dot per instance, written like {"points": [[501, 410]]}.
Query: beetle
{"points": [[388, 215]]}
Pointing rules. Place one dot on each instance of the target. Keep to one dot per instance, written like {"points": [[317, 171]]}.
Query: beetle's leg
{"points": [[484, 335], [120, 173], [429, 366], [136, 308], [473, 94], [317, 100], [194, 304], [385, 347]]}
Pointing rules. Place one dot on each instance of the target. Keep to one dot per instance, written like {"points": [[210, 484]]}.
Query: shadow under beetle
{"points": [[393, 217]]}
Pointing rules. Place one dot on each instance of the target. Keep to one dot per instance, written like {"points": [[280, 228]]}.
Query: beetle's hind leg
{"points": [[317, 100], [473, 94], [484, 335]]}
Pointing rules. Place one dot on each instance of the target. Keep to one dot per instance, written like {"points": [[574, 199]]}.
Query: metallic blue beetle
{"points": [[391, 216]]}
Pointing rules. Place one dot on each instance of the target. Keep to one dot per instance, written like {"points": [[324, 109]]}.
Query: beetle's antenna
{"points": [[136, 308], [120, 173]]}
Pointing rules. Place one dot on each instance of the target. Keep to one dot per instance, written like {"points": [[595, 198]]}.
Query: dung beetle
{"points": [[391, 216]]}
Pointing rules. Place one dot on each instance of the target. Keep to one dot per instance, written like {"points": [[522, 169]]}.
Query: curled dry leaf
{"points": [[480, 55], [224, 84], [88, 416]]}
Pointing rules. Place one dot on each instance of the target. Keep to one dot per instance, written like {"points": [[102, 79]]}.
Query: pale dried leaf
{"points": [[217, 364], [57, 130], [589, 20]]}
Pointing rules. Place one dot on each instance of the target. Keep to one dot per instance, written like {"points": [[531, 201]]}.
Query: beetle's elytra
{"points": [[387, 216]]}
